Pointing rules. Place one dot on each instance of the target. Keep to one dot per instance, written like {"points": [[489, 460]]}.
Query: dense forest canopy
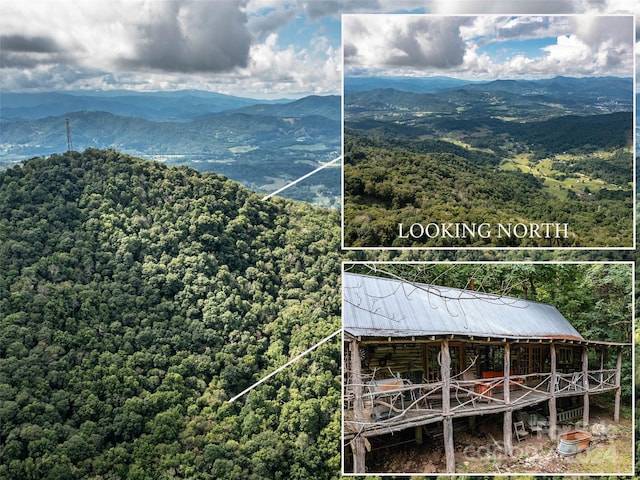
{"points": [[136, 299], [393, 181]]}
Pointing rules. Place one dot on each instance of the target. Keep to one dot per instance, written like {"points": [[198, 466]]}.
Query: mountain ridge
{"points": [[177, 105], [618, 88], [144, 297]]}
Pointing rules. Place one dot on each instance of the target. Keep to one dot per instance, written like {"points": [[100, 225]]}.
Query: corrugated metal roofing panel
{"points": [[381, 307]]}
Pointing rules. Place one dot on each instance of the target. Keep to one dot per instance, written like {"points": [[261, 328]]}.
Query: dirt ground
{"points": [[479, 450]]}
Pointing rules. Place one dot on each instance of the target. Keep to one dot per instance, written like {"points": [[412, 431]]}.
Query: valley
{"points": [[262, 145], [517, 151]]}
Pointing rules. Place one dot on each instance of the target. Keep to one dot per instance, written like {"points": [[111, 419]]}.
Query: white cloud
{"points": [[172, 35], [450, 45], [226, 46], [287, 71], [416, 41], [223, 45], [518, 7], [276, 18]]}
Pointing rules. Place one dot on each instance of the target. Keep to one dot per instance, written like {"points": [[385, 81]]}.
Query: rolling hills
{"points": [[262, 145], [554, 151]]}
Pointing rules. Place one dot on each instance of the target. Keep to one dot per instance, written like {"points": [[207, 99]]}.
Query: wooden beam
{"points": [[449, 451], [507, 373], [553, 412], [507, 424], [359, 450], [447, 423], [585, 384], [616, 411], [357, 444], [445, 374]]}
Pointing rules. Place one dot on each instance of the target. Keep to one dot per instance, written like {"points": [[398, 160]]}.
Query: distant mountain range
{"points": [[223, 135], [139, 124], [409, 84], [613, 89], [500, 100], [159, 106]]}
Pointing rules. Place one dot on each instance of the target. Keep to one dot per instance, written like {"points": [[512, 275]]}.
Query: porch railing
{"points": [[395, 399], [602, 380]]}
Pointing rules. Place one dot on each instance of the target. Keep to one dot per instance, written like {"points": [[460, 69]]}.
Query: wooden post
{"points": [[445, 374], [447, 423], [418, 431], [553, 412], [508, 419], [585, 384], [358, 443], [616, 411], [447, 430], [358, 448]]}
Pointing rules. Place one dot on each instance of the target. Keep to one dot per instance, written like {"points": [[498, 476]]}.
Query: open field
{"points": [[556, 182]]}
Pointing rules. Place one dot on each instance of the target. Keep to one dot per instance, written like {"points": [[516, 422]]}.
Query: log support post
{"points": [[472, 423], [449, 452], [508, 419], [553, 412], [585, 384], [447, 423], [358, 448], [358, 443], [616, 411]]}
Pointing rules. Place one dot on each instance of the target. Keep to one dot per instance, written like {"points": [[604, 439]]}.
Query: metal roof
{"points": [[382, 307]]}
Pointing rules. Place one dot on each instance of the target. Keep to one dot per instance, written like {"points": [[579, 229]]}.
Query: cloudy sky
{"points": [[489, 46], [257, 48]]}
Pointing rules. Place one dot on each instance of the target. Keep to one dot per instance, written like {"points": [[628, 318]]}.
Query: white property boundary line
{"points": [[294, 359], [267, 197]]}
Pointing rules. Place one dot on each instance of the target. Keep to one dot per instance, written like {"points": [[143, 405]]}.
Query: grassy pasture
{"points": [[556, 182]]}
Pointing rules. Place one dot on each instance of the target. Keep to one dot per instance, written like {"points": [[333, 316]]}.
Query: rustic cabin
{"points": [[417, 355]]}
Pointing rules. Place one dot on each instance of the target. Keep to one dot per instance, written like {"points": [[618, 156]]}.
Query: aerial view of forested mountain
{"points": [[136, 299], [262, 144], [500, 163]]}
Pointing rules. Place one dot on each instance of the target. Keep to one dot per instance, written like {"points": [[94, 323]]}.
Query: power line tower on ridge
{"points": [[69, 144]]}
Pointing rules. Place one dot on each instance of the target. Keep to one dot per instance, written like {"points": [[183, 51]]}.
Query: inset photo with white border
{"points": [[488, 131], [488, 368]]}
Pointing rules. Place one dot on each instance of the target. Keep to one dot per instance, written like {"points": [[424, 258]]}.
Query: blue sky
{"points": [[530, 48], [256, 48]]}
